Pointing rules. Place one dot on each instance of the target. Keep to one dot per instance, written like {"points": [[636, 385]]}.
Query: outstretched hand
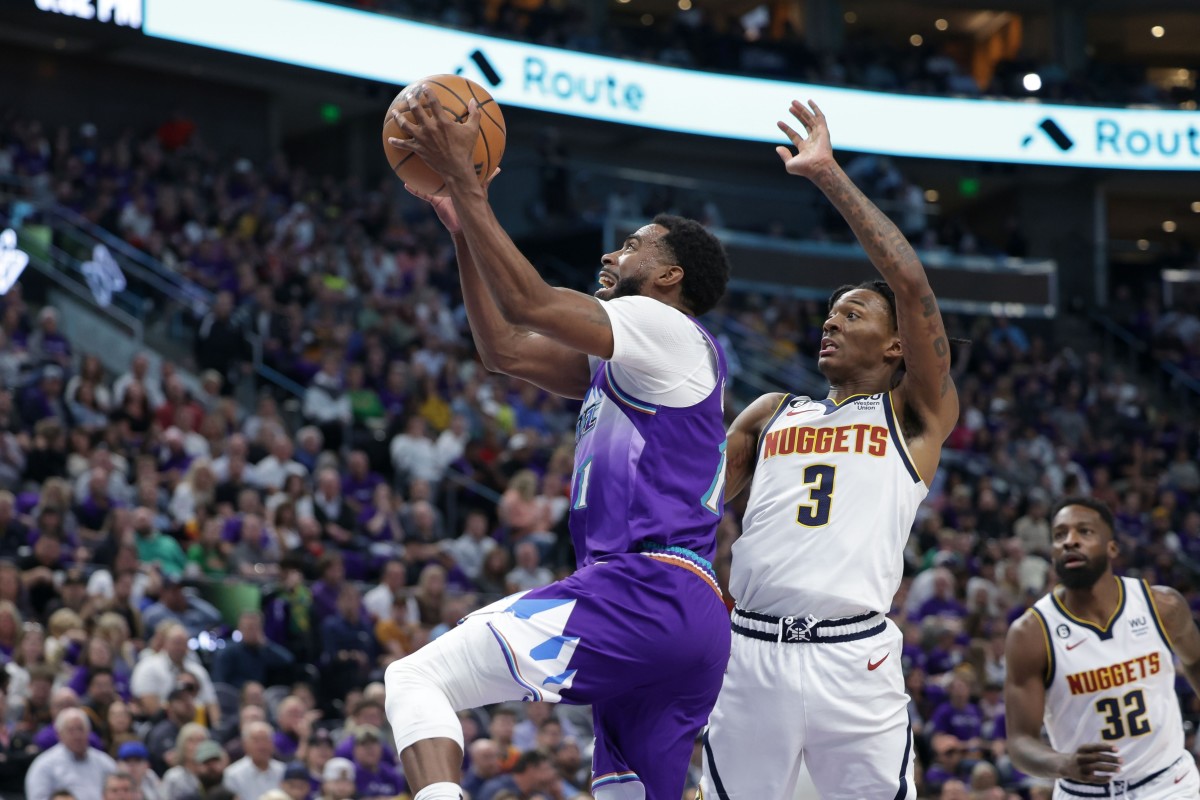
{"points": [[445, 143], [814, 152], [444, 206]]}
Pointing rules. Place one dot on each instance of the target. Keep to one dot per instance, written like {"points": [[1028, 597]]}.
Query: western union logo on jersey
{"points": [[1097, 680], [802, 440]]}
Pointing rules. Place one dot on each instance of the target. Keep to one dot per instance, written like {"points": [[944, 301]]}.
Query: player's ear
{"points": [[894, 348], [669, 275]]}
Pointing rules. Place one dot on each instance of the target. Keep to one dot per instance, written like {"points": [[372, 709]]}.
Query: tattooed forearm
{"points": [[884, 243], [928, 305]]}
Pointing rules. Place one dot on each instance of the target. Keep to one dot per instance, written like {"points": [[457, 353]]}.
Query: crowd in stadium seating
{"points": [[133, 507], [1171, 331], [701, 39]]}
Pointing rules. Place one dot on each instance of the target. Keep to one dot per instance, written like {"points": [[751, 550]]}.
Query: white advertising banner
{"points": [[391, 50]]}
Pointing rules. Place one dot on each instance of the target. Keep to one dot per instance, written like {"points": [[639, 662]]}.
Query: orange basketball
{"points": [[454, 92]]}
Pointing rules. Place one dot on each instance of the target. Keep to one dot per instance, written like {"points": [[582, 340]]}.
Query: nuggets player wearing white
{"points": [[814, 675], [1098, 656], [825, 467]]}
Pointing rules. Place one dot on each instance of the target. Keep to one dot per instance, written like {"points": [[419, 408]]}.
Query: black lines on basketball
{"points": [[396, 167], [483, 107], [454, 94], [450, 91]]}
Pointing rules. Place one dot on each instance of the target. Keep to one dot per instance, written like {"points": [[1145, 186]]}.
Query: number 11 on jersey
{"points": [[819, 480], [582, 477]]}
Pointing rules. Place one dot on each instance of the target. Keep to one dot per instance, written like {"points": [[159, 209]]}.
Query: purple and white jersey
{"points": [[646, 472]]}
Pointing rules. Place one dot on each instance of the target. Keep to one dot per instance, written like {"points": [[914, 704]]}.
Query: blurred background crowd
{"points": [[409, 486], [210, 553]]}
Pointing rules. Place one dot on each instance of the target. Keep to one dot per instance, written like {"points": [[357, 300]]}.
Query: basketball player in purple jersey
{"points": [[639, 631]]}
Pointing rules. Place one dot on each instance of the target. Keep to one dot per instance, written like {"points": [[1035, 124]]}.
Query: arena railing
{"points": [[167, 306], [1169, 379]]}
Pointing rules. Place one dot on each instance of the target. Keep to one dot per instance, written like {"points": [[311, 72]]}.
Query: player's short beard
{"points": [[1080, 578], [629, 286]]}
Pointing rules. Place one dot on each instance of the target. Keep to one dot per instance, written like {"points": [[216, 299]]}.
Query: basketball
{"points": [[454, 92]]}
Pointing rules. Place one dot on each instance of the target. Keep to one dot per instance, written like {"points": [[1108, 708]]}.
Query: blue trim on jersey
{"points": [[511, 661], [890, 415], [762, 435], [1106, 632], [1049, 646], [833, 405], [717, 481], [902, 792], [700, 561], [712, 768], [1103, 790], [614, 777], [1154, 613], [629, 400]]}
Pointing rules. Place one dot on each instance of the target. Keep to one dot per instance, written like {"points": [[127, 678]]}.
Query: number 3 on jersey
{"points": [[819, 480]]}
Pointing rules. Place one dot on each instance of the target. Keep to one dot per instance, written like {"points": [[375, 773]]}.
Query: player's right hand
{"points": [[1092, 763], [444, 206]]}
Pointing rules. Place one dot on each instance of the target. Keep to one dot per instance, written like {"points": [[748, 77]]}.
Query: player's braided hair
{"points": [[702, 256]]}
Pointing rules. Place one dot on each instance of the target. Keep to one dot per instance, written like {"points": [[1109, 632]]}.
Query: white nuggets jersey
{"points": [[1113, 684], [834, 497]]}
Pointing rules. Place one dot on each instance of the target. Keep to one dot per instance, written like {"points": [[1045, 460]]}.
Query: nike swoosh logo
{"points": [[793, 413], [873, 666], [1181, 777], [1073, 646]]}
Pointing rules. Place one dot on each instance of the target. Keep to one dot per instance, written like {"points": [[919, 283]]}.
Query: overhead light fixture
{"points": [[685, 5], [647, 19], [916, 40], [941, 24], [1169, 226], [931, 195], [1143, 244], [850, 17], [1032, 82], [1196, 207], [1158, 31]]}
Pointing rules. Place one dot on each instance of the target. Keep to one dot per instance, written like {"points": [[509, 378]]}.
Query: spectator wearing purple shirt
{"points": [[359, 484], [47, 344], [373, 778], [292, 728], [98, 655], [948, 754], [943, 603], [61, 700], [368, 714], [958, 715], [332, 573]]}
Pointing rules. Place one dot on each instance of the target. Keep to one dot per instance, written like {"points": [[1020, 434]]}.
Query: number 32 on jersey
{"points": [[814, 513]]}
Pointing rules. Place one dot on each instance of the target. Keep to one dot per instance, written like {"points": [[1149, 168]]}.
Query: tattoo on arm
{"points": [[940, 348], [928, 305], [885, 244]]}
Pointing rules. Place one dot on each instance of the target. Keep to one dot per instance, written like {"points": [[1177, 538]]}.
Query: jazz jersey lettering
{"points": [[647, 473], [1112, 684], [834, 497]]}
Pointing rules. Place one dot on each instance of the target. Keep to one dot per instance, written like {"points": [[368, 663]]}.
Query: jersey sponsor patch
{"points": [[1139, 626]]}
